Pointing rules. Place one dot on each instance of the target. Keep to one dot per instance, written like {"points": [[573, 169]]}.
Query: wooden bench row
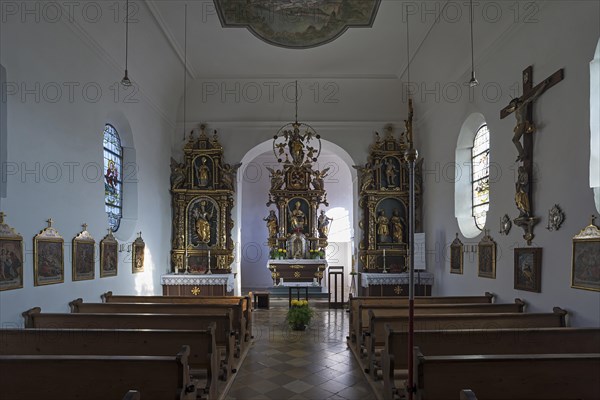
{"points": [[362, 318], [356, 301], [376, 337], [202, 359], [95, 377], [244, 302], [473, 342], [224, 336]]}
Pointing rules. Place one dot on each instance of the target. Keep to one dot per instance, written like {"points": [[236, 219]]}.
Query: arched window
{"points": [[113, 171], [480, 176], [471, 187], [595, 125]]}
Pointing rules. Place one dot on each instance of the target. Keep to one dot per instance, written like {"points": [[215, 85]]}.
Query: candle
{"points": [[209, 259]]}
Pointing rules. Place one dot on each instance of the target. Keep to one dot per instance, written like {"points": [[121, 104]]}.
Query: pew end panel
{"points": [[510, 376]]}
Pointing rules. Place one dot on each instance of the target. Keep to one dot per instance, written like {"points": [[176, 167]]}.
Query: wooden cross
{"points": [[522, 107], [85, 226], [50, 221]]}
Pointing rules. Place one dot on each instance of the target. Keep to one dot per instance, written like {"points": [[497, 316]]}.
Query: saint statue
{"points": [[383, 228], [323, 224], [271, 220], [522, 192], [202, 172], [296, 147], [202, 222], [396, 220], [296, 217], [390, 172]]}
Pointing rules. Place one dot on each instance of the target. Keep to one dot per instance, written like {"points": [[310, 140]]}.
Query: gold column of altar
{"points": [[384, 202], [202, 189]]}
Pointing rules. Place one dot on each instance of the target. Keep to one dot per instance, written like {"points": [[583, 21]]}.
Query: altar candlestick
{"points": [[209, 271], [384, 270]]}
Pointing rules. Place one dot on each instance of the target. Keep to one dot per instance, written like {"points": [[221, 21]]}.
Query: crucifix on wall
{"points": [[523, 110]]}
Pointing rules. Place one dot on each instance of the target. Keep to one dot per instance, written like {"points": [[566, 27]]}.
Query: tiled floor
{"points": [[315, 364]]}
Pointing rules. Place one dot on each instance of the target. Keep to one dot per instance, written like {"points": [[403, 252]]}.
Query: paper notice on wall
{"points": [[420, 259]]}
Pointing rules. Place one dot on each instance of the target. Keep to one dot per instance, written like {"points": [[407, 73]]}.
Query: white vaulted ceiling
{"points": [[365, 62]]}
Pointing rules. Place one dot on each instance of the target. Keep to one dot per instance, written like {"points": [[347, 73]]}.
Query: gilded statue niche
{"points": [[202, 188]]}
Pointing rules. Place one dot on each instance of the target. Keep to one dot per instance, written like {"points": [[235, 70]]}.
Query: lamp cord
{"points": [[126, 32], [296, 101], [407, 52], [184, 69], [472, 50]]}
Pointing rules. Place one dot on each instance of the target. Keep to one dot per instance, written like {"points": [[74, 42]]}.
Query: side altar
{"points": [[378, 284], [197, 285], [202, 189]]}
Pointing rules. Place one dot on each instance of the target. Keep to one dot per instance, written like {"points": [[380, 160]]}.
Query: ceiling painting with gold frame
{"points": [[297, 23]]}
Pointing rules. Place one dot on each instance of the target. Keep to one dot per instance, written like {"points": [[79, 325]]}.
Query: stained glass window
{"points": [[480, 183], [113, 171]]}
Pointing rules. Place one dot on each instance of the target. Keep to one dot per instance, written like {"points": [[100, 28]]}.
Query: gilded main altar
{"points": [[202, 189], [297, 229]]}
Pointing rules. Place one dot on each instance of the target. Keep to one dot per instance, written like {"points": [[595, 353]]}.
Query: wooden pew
{"points": [[224, 336], [26, 377], [362, 317], [509, 376], [467, 394], [355, 302], [109, 297], [479, 341], [203, 359], [427, 322], [238, 320], [132, 395]]}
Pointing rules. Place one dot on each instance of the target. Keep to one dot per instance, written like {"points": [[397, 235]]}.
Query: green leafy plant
{"points": [[299, 314]]}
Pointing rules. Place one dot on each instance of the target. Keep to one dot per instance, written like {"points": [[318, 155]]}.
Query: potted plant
{"points": [[299, 315]]}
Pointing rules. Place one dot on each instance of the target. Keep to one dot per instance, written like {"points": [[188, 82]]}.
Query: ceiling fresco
{"points": [[297, 23]]}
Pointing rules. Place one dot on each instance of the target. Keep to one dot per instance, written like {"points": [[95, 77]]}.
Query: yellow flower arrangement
{"points": [[299, 314]]}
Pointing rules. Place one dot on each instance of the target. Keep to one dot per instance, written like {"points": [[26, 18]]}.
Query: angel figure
{"points": [[366, 175], [228, 174], [317, 181], [276, 178], [177, 174]]}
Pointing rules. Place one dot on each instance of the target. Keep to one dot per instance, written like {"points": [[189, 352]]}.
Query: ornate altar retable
{"points": [[202, 189], [384, 201], [378, 284], [197, 285], [297, 230], [297, 271]]}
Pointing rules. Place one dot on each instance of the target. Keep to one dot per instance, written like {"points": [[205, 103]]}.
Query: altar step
{"points": [[314, 292]]}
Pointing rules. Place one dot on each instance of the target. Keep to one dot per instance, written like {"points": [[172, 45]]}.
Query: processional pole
{"points": [[411, 156]]}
